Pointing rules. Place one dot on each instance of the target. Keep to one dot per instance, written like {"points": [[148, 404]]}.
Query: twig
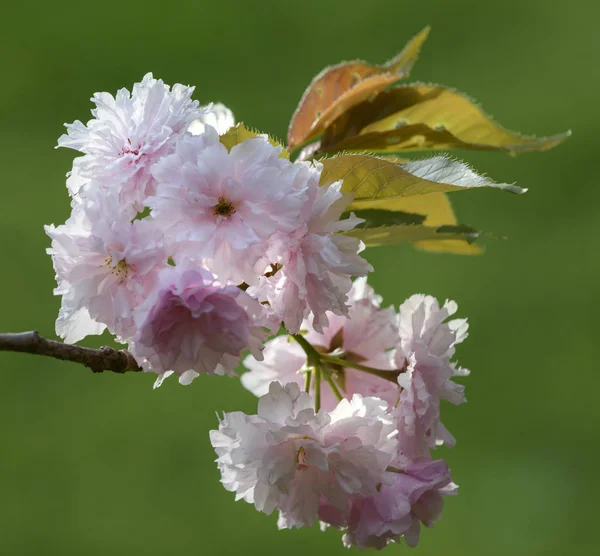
{"points": [[98, 360]]}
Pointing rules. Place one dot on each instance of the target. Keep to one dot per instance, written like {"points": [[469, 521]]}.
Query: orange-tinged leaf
{"points": [[414, 137], [338, 88]]}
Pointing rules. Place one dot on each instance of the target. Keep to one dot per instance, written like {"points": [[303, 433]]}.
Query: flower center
{"points": [[121, 270], [301, 462], [223, 208], [128, 150]]}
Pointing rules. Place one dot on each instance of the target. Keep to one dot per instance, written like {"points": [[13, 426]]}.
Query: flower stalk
{"points": [[307, 378], [315, 360], [333, 386], [317, 366], [391, 375]]}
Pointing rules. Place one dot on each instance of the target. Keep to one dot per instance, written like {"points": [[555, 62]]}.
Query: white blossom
{"points": [[287, 457], [128, 134]]}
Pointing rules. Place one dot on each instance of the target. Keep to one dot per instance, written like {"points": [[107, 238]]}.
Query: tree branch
{"points": [[98, 360]]}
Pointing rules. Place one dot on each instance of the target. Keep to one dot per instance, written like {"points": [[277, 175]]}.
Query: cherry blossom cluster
{"points": [[195, 254], [362, 462], [186, 251]]}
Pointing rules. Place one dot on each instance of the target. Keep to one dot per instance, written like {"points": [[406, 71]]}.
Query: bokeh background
{"points": [[105, 465]]}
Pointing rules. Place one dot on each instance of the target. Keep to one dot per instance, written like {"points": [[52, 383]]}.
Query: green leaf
{"points": [[370, 178], [377, 218], [338, 88], [414, 233], [435, 209], [425, 117], [240, 132]]}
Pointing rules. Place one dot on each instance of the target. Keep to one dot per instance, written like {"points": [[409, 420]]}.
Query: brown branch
{"points": [[98, 360]]}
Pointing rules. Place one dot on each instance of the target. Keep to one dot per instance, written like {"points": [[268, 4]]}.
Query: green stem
{"points": [[317, 364], [333, 386], [311, 352], [391, 375], [313, 359], [307, 381]]}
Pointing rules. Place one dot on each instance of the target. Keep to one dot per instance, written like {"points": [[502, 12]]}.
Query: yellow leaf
{"points": [[369, 178], [404, 62], [240, 132], [338, 88], [425, 117]]}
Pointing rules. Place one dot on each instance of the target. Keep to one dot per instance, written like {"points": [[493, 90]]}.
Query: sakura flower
{"points": [[426, 346], [128, 134], [191, 324], [283, 361], [224, 206], [422, 326], [105, 266], [367, 336], [216, 115], [398, 509], [315, 262], [287, 457]]}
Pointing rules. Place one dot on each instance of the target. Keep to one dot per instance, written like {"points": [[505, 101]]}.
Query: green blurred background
{"points": [[105, 465]]}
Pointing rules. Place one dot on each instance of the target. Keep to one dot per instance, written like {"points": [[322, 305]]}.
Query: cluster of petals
{"points": [[194, 252], [427, 344], [105, 267], [189, 251], [316, 262], [191, 324], [398, 509], [338, 467], [288, 457], [127, 135], [225, 205], [415, 345]]}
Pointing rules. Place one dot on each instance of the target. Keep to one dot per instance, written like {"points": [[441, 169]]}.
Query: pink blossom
{"points": [[225, 206], [193, 325], [398, 509], [315, 261], [368, 335], [283, 361], [128, 134], [426, 346], [287, 457], [422, 326], [105, 266]]}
